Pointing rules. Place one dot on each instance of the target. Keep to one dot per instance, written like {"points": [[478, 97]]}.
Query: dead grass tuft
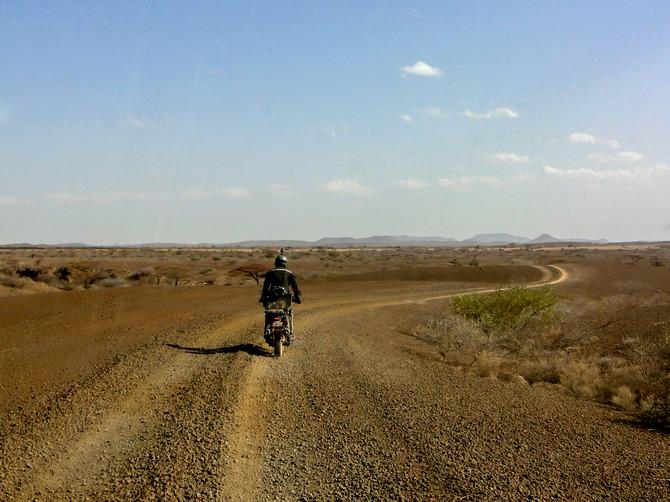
{"points": [[579, 348]]}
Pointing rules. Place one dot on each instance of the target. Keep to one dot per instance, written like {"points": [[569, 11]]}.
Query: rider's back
{"points": [[280, 277]]}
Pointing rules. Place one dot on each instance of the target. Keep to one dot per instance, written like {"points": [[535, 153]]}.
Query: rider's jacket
{"points": [[280, 277]]}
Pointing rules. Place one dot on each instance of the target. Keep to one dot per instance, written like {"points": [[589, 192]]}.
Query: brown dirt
{"points": [[151, 393]]}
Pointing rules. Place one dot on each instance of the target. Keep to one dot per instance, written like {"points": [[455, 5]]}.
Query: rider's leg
{"points": [[268, 320]]}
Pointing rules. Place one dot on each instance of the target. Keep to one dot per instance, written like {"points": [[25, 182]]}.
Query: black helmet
{"points": [[281, 261]]}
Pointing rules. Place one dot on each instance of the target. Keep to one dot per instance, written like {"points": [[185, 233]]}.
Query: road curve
{"points": [[355, 409]]}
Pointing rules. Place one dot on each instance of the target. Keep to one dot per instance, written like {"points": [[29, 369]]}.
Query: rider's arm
{"points": [[294, 286], [266, 285]]}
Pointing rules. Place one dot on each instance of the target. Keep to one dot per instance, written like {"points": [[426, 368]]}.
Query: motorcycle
{"points": [[279, 323]]}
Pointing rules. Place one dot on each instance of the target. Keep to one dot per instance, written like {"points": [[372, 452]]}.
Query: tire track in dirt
{"points": [[242, 455], [127, 416], [134, 414], [353, 412]]}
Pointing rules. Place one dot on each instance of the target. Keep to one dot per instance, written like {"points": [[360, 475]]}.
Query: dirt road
{"points": [[195, 407]]}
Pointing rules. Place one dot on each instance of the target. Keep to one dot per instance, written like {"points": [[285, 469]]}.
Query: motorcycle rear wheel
{"points": [[279, 346]]}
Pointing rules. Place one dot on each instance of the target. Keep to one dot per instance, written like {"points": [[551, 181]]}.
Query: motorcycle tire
{"points": [[279, 346]]}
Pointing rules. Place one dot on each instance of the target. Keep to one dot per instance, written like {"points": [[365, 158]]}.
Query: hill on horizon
{"points": [[493, 239]]}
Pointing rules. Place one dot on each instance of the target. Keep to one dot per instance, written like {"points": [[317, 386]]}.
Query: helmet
{"points": [[280, 261]]}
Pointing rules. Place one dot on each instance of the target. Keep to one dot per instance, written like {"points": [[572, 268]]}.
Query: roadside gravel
{"points": [[368, 413]]}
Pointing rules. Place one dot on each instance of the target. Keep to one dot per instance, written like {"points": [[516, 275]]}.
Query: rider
{"points": [[281, 277]]}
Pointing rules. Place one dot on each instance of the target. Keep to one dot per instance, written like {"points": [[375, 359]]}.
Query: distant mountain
{"points": [[374, 240], [276, 243], [544, 239], [497, 239]]}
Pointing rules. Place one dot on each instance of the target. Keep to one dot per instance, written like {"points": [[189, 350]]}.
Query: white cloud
{"points": [[617, 157], [11, 200], [582, 138], [662, 168], [435, 112], [466, 182], [234, 192], [508, 157], [413, 184], [612, 143], [585, 138], [196, 194], [346, 186], [406, 118], [497, 113], [279, 189], [422, 70], [593, 174]]}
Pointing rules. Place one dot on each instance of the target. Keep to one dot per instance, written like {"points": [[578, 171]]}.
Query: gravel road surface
{"points": [[196, 408]]}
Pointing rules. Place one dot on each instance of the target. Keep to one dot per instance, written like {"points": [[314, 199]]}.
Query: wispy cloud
{"points": [[631, 174], [422, 69], [492, 114], [346, 186], [134, 122], [234, 192], [413, 184], [584, 138], [616, 157], [508, 157], [406, 118], [435, 112], [227, 192], [467, 182], [280, 189]]}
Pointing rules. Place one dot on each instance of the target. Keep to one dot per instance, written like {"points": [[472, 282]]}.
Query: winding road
{"points": [[354, 410]]}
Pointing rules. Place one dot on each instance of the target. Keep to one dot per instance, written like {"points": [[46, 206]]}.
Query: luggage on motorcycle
{"points": [[277, 292]]}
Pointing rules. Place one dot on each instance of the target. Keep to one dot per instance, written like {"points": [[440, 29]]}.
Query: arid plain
{"points": [[141, 373]]}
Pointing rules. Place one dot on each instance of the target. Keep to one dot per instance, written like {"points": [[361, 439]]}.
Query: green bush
{"points": [[507, 308]]}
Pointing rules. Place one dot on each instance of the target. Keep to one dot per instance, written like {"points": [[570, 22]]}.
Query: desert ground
{"points": [[141, 374]]}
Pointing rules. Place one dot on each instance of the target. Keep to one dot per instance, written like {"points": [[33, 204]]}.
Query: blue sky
{"points": [[130, 122]]}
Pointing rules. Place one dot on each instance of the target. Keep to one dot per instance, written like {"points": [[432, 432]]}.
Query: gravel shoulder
{"points": [[367, 412]]}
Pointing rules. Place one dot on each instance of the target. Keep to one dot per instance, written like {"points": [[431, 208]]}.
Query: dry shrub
{"points": [[12, 282], [141, 273], [624, 397], [29, 272], [539, 369], [110, 282], [582, 378], [579, 349], [518, 379], [488, 363], [655, 408]]}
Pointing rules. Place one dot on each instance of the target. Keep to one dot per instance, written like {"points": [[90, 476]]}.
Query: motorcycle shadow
{"points": [[248, 348]]}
